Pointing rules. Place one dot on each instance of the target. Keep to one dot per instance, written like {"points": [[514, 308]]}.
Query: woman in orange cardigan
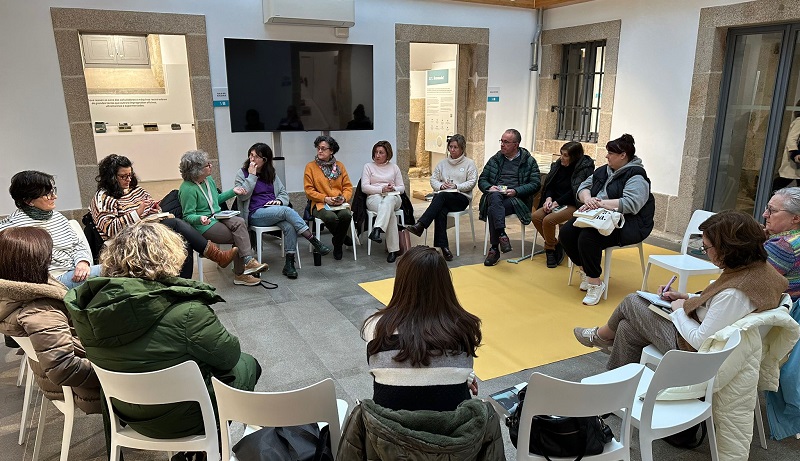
{"points": [[327, 185]]}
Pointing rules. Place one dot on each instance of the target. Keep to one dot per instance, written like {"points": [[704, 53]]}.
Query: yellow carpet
{"points": [[528, 311]]}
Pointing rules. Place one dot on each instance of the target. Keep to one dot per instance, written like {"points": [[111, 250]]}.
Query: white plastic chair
{"points": [[684, 264], [371, 215], [651, 355], [486, 236], [66, 406], [260, 230], [552, 396], [318, 230], [456, 215], [657, 419], [26, 399], [607, 264], [180, 383], [316, 403]]}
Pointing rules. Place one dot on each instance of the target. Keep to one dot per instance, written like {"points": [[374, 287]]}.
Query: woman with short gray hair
{"points": [[782, 226], [200, 201]]}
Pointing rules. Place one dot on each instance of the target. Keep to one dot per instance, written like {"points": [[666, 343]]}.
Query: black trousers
{"points": [[498, 207], [194, 241], [436, 213], [585, 245]]}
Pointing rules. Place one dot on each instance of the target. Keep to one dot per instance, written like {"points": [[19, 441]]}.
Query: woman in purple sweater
{"points": [[383, 184]]}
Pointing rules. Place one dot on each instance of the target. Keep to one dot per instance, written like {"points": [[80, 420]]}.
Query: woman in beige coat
{"points": [[31, 304]]}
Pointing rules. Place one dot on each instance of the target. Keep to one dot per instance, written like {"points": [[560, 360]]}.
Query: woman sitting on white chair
{"points": [[266, 203], [453, 180], [327, 184], [383, 184], [734, 242], [621, 186], [31, 304]]}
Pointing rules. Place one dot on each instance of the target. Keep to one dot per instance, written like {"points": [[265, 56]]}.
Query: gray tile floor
{"points": [[302, 332]]}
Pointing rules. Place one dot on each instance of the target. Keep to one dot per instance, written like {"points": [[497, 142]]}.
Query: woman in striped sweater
{"points": [[783, 236], [34, 193], [120, 202], [421, 346]]}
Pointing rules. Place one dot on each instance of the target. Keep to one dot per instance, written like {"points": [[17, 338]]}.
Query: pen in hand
{"points": [[667, 287]]}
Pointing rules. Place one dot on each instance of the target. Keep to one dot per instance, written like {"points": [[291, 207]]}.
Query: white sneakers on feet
{"points": [[594, 293], [584, 283]]}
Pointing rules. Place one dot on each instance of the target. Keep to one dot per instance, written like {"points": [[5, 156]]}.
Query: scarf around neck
{"points": [[329, 168], [36, 214]]}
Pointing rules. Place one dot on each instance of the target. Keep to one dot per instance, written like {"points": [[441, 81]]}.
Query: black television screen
{"points": [[299, 86]]}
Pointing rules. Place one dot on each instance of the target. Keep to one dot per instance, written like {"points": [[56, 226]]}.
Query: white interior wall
{"points": [[33, 121], [654, 74]]}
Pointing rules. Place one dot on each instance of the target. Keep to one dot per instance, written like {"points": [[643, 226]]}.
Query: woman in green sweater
{"points": [[200, 201]]}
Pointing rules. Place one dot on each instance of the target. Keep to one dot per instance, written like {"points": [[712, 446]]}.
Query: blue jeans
{"points": [[66, 277], [284, 217]]}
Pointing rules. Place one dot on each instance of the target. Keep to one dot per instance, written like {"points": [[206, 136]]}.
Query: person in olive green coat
{"points": [[140, 317]]}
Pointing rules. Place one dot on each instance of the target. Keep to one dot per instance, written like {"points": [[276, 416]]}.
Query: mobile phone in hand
{"points": [[558, 208]]}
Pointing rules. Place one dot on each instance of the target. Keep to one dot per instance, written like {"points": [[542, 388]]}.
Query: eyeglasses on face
{"points": [[323, 149], [52, 194], [124, 177], [505, 143], [769, 211], [704, 248]]}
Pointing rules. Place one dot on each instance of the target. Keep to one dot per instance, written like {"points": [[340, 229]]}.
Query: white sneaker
{"points": [[584, 283], [594, 293]]}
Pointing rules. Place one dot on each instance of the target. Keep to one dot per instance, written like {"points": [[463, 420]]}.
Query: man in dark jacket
{"points": [[509, 181]]}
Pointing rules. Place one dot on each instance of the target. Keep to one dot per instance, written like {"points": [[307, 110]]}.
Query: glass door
{"points": [[760, 73]]}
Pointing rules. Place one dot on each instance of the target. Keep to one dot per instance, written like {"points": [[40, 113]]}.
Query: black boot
{"points": [[558, 254], [319, 246], [416, 229], [551, 258], [375, 235], [288, 267]]}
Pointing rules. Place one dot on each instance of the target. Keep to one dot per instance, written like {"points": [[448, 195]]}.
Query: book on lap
{"points": [[156, 217], [226, 214], [655, 299]]}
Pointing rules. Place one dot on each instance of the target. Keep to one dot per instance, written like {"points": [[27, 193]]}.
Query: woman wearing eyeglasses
{"points": [[35, 195], [328, 185], [200, 202], [120, 202], [783, 236], [266, 203], [734, 242]]}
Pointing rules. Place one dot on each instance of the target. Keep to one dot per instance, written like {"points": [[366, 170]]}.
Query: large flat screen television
{"points": [[299, 86]]}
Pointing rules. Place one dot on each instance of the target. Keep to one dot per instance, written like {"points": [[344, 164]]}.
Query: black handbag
{"points": [[292, 443], [562, 437]]}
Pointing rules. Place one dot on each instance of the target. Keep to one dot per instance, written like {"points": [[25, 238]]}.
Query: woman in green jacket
{"points": [[141, 317], [200, 203]]}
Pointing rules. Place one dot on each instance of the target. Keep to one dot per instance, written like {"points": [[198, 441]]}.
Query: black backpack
{"points": [[171, 203], [92, 236]]}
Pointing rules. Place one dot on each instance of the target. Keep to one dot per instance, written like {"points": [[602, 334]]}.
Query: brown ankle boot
{"points": [[222, 258]]}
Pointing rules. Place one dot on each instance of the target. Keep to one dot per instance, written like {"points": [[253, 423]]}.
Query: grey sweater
{"points": [[634, 194]]}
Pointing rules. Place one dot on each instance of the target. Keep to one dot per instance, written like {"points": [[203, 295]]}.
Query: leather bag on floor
{"points": [[405, 241]]}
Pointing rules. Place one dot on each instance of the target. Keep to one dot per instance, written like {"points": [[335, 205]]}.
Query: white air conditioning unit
{"points": [[328, 13]]}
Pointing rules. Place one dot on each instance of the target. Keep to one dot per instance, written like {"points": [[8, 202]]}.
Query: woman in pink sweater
{"points": [[383, 184]]}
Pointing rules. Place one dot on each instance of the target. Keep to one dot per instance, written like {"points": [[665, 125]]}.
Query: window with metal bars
{"points": [[580, 91]]}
